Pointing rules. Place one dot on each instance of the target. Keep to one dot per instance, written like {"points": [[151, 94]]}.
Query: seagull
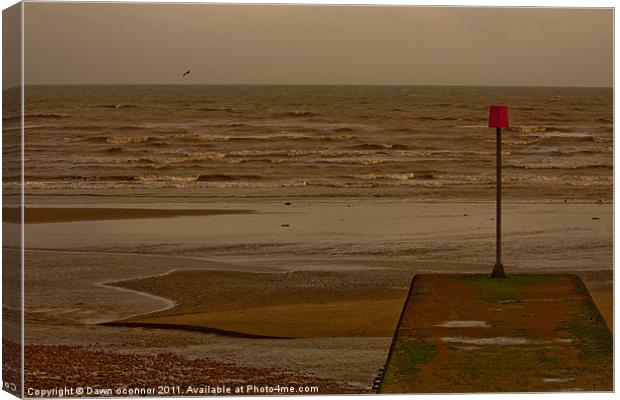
{"points": [[185, 73]]}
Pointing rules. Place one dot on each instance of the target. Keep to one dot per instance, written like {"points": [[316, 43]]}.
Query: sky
{"points": [[112, 43]]}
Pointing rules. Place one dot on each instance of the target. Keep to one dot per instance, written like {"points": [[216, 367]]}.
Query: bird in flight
{"points": [[186, 73]]}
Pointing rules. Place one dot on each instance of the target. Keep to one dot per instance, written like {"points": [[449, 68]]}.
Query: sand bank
{"points": [[285, 305], [56, 214]]}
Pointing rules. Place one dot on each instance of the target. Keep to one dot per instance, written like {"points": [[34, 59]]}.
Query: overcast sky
{"points": [[155, 43]]}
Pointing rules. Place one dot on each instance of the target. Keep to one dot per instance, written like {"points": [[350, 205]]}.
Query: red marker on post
{"points": [[498, 118]]}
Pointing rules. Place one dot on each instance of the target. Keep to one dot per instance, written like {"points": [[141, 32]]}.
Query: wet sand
{"points": [[300, 304], [299, 270], [601, 288], [73, 214], [604, 300]]}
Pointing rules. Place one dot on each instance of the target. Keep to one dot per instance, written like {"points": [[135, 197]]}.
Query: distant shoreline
{"points": [[412, 85]]}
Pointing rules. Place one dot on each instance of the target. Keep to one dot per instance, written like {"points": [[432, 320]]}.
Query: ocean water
{"points": [[321, 141]]}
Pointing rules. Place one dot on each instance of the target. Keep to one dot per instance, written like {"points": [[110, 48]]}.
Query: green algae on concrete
{"points": [[524, 333], [504, 289]]}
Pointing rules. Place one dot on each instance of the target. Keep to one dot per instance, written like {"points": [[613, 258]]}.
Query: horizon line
{"points": [[313, 84]]}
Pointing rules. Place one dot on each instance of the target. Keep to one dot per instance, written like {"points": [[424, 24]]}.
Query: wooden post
{"points": [[498, 269], [498, 118]]}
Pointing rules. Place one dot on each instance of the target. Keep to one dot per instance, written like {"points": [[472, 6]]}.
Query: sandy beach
{"points": [[324, 281]]}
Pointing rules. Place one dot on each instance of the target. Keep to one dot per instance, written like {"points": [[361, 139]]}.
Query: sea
{"points": [[261, 141]]}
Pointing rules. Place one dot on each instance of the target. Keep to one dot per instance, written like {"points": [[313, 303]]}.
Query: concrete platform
{"points": [[524, 333]]}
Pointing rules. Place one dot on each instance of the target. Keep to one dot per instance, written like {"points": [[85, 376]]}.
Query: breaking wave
{"points": [[114, 106], [127, 139], [269, 137], [383, 146]]}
